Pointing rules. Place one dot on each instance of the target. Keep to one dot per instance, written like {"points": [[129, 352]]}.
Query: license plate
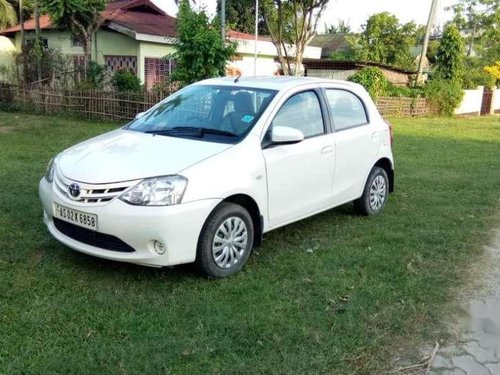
{"points": [[79, 218]]}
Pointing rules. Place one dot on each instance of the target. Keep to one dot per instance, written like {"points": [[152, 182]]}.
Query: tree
{"points": [[292, 23], [200, 51], [8, 15], [342, 27], [479, 20], [450, 55], [385, 40], [81, 17], [240, 15], [494, 71]]}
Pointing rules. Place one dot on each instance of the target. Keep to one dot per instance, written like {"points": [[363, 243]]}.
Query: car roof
{"points": [[274, 83]]}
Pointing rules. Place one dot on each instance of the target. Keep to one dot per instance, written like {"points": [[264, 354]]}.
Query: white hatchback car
{"points": [[202, 175]]}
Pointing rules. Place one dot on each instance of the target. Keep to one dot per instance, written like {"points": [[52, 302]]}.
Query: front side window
{"points": [[302, 112], [219, 113], [347, 109]]}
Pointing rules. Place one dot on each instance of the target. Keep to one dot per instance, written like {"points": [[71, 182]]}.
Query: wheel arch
{"points": [[386, 165], [252, 207]]}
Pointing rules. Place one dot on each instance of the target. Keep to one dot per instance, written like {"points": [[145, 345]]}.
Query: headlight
{"points": [[49, 172], [157, 191]]}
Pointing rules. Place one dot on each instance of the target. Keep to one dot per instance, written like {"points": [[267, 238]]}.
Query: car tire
{"points": [[226, 241], [375, 193]]}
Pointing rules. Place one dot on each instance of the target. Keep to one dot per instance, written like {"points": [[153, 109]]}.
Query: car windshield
{"points": [[213, 113]]}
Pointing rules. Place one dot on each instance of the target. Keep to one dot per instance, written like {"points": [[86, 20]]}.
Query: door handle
{"points": [[375, 136], [326, 150]]}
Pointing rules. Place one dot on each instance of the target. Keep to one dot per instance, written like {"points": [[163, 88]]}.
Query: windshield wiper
{"points": [[178, 130], [217, 132], [191, 130]]}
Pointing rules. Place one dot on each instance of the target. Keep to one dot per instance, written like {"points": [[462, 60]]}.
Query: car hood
{"points": [[124, 155]]}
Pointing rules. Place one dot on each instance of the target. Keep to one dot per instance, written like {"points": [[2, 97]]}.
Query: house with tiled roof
{"points": [[138, 35]]}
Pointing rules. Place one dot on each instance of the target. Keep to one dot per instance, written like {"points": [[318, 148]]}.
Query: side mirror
{"points": [[286, 135], [139, 115]]}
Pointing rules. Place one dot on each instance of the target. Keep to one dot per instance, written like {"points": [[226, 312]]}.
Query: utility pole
{"points": [[428, 29], [256, 37], [223, 19]]}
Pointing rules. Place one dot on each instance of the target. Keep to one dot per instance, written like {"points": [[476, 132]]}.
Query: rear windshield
{"points": [[212, 113]]}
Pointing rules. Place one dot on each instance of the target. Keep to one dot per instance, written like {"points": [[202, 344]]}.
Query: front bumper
{"points": [[178, 227]]}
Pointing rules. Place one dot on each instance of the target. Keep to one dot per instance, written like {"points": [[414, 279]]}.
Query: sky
{"points": [[356, 12]]}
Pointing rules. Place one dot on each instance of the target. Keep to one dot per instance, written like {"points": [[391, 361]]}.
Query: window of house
{"points": [[156, 70], [347, 109], [115, 63], [75, 42], [78, 67], [31, 43], [303, 112]]}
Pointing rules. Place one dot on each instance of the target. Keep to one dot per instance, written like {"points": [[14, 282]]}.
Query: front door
{"points": [[300, 175]]}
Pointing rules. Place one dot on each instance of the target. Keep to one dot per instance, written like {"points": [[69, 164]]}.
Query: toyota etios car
{"points": [[202, 175]]}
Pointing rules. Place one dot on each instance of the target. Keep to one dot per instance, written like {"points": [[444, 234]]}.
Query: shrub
{"points": [[125, 80], [446, 95], [53, 69], [404, 91], [373, 80], [96, 77]]}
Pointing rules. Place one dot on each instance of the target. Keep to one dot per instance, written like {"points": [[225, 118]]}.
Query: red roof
{"points": [[141, 16], [244, 36]]}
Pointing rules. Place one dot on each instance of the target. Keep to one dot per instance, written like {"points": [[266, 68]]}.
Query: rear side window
{"points": [[347, 109], [303, 112]]}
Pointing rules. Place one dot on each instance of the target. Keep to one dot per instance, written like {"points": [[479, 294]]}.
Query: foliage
{"points": [[432, 50], [342, 27], [292, 23], [8, 16], [404, 91], [450, 55], [479, 23], [45, 66], [125, 80], [240, 15], [348, 289], [373, 80], [95, 77], [346, 55], [200, 51], [445, 94], [494, 71], [475, 74], [387, 41], [81, 17], [27, 8], [479, 20]]}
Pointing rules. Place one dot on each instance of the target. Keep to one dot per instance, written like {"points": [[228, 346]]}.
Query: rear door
{"points": [[356, 143]]}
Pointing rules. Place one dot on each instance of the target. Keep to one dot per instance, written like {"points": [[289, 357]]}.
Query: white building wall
{"points": [[471, 103], [495, 101], [7, 48]]}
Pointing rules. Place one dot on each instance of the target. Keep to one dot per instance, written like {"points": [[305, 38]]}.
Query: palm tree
{"points": [[8, 15]]}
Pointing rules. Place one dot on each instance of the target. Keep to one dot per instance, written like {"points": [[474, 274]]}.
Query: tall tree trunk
{"points": [[87, 52], [21, 22]]}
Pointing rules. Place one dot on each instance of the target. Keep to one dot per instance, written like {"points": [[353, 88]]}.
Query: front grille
{"points": [[91, 193], [89, 237]]}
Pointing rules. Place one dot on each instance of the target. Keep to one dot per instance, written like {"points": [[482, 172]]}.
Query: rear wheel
{"points": [[225, 241], [375, 193]]}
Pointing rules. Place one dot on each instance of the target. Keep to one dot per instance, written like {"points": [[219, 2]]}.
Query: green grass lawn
{"points": [[336, 294]]}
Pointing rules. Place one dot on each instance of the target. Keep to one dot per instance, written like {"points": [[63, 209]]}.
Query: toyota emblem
{"points": [[74, 191]]}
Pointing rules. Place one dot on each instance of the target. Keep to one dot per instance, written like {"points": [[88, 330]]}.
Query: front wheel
{"points": [[226, 241], [375, 193]]}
